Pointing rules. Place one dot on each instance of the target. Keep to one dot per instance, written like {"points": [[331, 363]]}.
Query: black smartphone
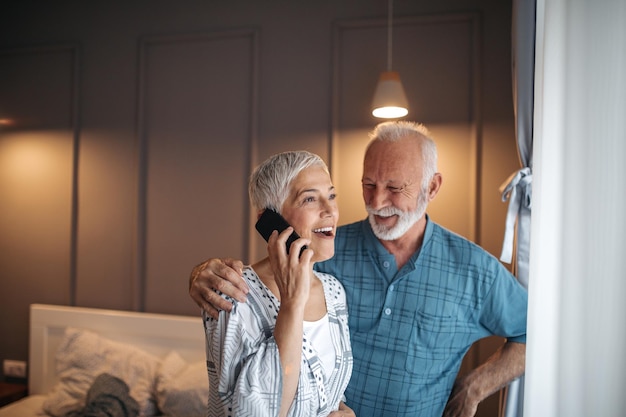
{"points": [[269, 221]]}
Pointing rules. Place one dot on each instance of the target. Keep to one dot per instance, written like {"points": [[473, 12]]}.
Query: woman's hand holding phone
{"points": [[292, 273]]}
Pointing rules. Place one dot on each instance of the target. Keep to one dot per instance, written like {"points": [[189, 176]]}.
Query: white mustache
{"points": [[385, 211]]}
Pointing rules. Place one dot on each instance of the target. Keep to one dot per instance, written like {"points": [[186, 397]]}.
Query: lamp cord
{"points": [[389, 34]]}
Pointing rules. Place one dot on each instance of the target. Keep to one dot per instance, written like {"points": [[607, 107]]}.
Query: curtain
{"points": [[517, 189], [575, 361]]}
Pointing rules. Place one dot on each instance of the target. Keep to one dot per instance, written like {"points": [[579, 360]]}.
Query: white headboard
{"points": [[155, 333]]}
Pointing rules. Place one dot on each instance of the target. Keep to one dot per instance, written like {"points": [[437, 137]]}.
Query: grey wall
{"points": [[134, 125]]}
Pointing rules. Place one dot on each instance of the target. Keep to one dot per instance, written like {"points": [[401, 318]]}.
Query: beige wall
{"points": [[136, 125]]}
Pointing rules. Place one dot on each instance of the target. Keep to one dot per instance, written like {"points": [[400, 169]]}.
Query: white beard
{"points": [[406, 219]]}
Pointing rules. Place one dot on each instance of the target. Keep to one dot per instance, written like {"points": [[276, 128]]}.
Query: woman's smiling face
{"points": [[311, 208]]}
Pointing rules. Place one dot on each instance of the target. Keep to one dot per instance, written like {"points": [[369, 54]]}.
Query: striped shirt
{"points": [[411, 328], [245, 377]]}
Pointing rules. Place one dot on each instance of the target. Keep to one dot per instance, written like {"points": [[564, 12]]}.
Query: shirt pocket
{"points": [[436, 342]]}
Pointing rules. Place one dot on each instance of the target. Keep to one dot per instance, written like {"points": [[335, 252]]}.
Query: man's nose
{"points": [[378, 198]]}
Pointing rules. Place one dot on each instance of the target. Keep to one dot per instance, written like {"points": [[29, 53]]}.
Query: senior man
{"points": [[418, 295]]}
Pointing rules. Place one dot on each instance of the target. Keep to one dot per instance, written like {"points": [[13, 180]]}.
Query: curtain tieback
{"points": [[518, 190]]}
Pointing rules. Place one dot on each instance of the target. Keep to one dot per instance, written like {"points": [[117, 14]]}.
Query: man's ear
{"points": [[434, 186]]}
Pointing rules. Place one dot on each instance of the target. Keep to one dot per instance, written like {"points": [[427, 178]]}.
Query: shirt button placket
{"points": [[387, 311], [389, 301]]}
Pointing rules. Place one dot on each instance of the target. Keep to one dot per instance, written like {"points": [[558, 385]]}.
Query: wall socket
{"points": [[14, 369]]}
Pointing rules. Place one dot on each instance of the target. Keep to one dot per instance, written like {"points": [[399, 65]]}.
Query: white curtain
{"points": [[575, 361], [518, 188]]}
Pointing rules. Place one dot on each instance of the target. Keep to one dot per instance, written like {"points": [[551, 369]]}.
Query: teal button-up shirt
{"points": [[411, 328]]}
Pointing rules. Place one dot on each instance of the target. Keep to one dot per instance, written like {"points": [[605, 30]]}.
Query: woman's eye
{"points": [[332, 196], [309, 199]]}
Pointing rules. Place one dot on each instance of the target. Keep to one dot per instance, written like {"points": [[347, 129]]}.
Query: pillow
{"points": [[83, 355], [182, 389]]}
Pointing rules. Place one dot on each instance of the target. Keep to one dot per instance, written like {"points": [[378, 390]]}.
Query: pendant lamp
{"points": [[389, 98]]}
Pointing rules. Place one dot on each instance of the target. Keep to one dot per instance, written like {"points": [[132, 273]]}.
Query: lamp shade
{"points": [[389, 98]]}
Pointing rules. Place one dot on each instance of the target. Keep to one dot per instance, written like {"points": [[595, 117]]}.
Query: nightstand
{"points": [[11, 392]]}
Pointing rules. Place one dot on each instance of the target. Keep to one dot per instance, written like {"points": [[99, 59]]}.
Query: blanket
{"points": [[108, 396]]}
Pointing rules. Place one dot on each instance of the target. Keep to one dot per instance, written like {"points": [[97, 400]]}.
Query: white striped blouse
{"points": [[243, 363]]}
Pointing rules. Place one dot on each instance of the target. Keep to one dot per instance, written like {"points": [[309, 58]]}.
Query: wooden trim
{"points": [[140, 229]]}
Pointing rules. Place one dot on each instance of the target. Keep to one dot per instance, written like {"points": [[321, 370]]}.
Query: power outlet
{"points": [[14, 369]]}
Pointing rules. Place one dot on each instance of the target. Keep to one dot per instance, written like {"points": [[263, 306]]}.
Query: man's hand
{"points": [[461, 402], [506, 364], [223, 275]]}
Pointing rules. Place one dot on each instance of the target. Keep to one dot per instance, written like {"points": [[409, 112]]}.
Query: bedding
{"points": [[108, 396], [84, 355], [182, 388], [78, 354], [29, 406]]}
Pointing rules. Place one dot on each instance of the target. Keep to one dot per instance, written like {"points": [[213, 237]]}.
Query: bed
{"points": [[158, 358]]}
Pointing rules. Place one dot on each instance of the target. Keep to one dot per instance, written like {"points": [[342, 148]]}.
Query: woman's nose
{"points": [[329, 208]]}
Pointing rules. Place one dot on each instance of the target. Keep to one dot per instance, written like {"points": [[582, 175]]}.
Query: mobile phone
{"points": [[269, 221]]}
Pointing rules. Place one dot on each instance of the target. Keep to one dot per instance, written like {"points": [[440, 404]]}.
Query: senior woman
{"points": [[285, 352]]}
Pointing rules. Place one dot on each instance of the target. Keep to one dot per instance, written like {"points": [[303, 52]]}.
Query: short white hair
{"points": [[269, 183], [396, 130]]}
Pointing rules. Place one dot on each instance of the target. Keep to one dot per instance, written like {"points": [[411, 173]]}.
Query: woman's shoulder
{"points": [[259, 294], [332, 286], [254, 315], [327, 278]]}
